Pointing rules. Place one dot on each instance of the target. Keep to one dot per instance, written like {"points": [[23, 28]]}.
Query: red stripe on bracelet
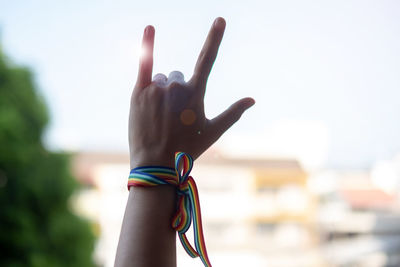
{"points": [[188, 200]]}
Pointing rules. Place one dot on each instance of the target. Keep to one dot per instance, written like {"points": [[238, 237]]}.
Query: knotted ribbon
{"points": [[188, 207]]}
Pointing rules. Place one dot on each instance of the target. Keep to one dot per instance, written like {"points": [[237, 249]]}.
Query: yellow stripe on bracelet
{"points": [[188, 200]]}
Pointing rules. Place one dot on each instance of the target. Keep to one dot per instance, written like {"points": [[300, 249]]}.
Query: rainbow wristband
{"points": [[188, 200]]}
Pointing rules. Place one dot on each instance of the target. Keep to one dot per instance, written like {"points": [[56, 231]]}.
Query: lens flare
{"points": [[188, 117]]}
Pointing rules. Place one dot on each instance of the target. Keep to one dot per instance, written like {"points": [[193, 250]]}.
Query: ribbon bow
{"points": [[188, 207]]}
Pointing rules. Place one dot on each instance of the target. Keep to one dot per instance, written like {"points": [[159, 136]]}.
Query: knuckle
{"points": [[156, 86], [174, 84], [176, 72], [237, 116], [161, 75]]}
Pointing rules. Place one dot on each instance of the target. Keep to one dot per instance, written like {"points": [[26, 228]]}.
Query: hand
{"points": [[167, 114]]}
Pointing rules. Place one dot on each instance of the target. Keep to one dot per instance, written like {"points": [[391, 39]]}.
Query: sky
{"points": [[324, 74]]}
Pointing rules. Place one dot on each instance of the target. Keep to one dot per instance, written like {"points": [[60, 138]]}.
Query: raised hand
{"points": [[167, 113]]}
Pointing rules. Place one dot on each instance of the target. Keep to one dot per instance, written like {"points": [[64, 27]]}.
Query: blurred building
{"points": [[253, 210], [261, 212], [103, 199], [359, 222], [262, 207]]}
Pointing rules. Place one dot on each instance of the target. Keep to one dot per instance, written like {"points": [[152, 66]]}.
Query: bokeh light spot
{"points": [[188, 117]]}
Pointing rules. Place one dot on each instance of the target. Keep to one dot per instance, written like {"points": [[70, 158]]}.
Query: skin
{"points": [[167, 115]]}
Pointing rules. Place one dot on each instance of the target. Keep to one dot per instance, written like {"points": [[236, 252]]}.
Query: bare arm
{"points": [[166, 116], [147, 238]]}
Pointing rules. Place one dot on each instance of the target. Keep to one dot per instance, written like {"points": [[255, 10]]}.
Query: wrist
{"points": [[138, 159]]}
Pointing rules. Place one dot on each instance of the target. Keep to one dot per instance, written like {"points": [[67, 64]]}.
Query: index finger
{"points": [[209, 52], [146, 59]]}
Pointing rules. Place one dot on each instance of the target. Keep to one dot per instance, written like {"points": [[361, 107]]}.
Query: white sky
{"points": [[325, 74]]}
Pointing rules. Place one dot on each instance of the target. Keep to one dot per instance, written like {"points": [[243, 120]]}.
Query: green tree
{"points": [[37, 227]]}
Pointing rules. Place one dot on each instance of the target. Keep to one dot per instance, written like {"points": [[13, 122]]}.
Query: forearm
{"points": [[147, 238]]}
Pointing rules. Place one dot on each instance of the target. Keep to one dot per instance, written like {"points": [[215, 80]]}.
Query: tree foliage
{"points": [[37, 227]]}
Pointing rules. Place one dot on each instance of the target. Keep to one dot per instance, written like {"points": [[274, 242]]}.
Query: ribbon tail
{"points": [[186, 245], [197, 223]]}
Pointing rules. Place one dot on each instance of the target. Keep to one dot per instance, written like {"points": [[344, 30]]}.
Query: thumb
{"points": [[226, 119]]}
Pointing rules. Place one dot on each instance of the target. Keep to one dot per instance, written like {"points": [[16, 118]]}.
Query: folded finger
{"points": [[176, 76], [160, 79]]}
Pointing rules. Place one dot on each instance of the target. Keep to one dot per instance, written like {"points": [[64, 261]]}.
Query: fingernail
{"points": [[147, 30], [219, 23], [249, 103]]}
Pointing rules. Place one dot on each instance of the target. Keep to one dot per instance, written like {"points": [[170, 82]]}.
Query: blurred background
{"points": [[310, 176]]}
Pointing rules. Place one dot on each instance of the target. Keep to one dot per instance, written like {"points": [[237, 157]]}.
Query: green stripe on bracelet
{"points": [[188, 200]]}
